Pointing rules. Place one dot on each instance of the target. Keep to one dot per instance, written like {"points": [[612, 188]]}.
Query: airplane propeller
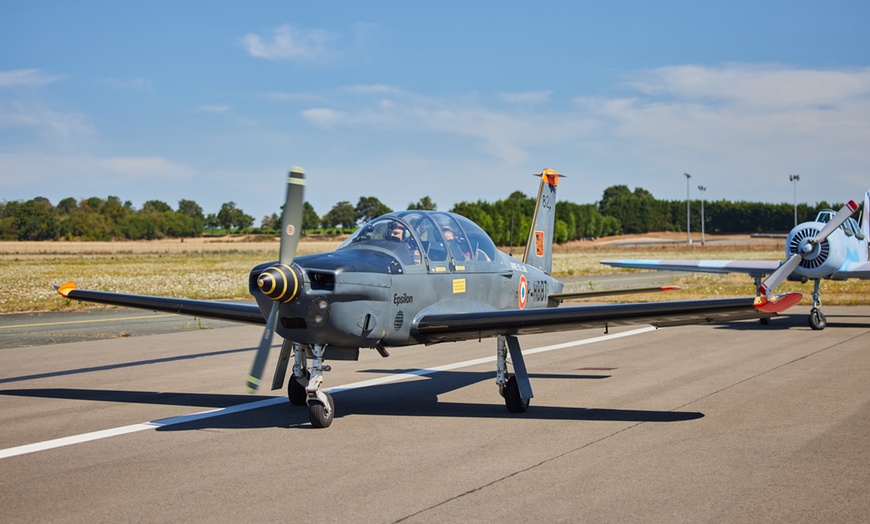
{"points": [[280, 282], [806, 249]]}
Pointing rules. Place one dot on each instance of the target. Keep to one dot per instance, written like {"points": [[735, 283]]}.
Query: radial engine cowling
{"points": [[824, 259], [280, 282]]}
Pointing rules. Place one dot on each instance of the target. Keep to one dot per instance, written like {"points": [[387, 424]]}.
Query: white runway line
{"points": [[162, 423]]}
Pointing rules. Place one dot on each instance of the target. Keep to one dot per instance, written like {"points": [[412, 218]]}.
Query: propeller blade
{"points": [[841, 216], [291, 219], [781, 273], [262, 355], [291, 228]]}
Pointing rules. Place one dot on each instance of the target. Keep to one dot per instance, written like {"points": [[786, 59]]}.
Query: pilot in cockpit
{"points": [[453, 245], [398, 232]]}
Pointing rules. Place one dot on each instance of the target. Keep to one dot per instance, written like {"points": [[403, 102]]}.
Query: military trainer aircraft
{"points": [[832, 246], [417, 277]]}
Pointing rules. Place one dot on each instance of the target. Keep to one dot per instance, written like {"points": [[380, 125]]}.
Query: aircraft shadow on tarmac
{"points": [[124, 365], [412, 398]]}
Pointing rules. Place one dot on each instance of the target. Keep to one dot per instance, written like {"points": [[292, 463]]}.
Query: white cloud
{"points": [[135, 84], [288, 43], [25, 78], [741, 127], [40, 170], [768, 87], [218, 108], [529, 98], [54, 123]]}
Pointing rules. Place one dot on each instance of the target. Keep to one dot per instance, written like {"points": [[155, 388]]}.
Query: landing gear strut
{"points": [[817, 319], [304, 385], [516, 389]]}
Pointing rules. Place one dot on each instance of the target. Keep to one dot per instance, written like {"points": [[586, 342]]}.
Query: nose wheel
{"points": [[817, 320], [321, 411], [304, 386]]}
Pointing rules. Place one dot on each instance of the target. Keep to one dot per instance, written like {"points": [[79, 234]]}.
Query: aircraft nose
{"points": [[279, 282]]}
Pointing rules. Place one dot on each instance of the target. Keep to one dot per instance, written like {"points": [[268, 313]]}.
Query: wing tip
{"points": [[777, 303], [64, 289]]}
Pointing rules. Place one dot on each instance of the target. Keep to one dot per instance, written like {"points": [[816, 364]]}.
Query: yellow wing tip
{"points": [[64, 289]]}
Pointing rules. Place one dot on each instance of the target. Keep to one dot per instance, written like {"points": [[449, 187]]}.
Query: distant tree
{"points": [[342, 215], [9, 220], [67, 205], [424, 204], [211, 221], [310, 219], [155, 206], [37, 220], [191, 209], [272, 221], [243, 220], [369, 208], [230, 216]]}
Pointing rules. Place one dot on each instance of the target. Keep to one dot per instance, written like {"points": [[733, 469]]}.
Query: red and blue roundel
{"points": [[523, 292]]}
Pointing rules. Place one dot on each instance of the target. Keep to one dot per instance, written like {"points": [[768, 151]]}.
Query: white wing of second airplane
{"points": [[750, 267], [853, 270]]}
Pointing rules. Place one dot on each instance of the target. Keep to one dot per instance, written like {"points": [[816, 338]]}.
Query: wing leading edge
{"points": [[246, 313], [463, 326], [750, 267]]}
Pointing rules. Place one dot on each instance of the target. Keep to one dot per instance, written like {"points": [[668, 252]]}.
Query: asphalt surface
{"points": [[736, 423]]}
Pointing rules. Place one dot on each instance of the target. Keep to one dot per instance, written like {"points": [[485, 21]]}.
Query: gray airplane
{"points": [[418, 277]]}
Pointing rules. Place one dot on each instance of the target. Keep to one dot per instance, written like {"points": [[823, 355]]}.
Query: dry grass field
{"points": [[218, 269]]}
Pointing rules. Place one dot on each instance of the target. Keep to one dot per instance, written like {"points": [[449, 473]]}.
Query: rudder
{"points": [[539, 247]]}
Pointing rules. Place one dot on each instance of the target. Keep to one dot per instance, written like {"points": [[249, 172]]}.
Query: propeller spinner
{"points": [[806, 249], [281, 282]]}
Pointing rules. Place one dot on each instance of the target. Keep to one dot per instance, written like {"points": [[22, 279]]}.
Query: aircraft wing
{"points": [[853, 270], [446, 327], [750, 267], [247, 313]]}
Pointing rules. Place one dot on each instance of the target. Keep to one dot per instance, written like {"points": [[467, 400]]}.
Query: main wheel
{"points": [[296, 392], [765, 321], [817, 319], [512, 399], [317, 414]]}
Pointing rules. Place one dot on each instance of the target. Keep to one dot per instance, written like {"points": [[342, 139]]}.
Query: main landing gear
{"points": [[516, 389], [304, 385]]}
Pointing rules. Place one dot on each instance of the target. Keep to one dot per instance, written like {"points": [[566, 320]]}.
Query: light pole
{"points": [[794, 178], [702, 189], [688, 219]]}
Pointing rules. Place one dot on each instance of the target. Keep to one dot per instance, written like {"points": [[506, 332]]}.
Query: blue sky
{"points": [[456, 100]]}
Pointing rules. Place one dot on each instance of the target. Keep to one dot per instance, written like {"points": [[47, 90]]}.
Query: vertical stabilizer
{"points": [[539, 248]]}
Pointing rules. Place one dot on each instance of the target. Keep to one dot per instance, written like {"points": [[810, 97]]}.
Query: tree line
{"points": [[507, 221]]}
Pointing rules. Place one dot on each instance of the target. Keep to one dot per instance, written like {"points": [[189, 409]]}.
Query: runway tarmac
{"points": [[733, 423]]}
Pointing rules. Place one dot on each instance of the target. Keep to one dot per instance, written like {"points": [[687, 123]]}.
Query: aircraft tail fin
{"points": [[539, 248]]}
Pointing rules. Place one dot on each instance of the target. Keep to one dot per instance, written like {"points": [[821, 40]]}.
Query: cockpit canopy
{"points": [[850, 226], [414, 236]]}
